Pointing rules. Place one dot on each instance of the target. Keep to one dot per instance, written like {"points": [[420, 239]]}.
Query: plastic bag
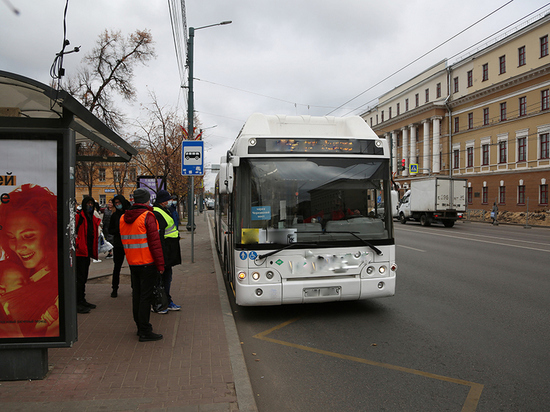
{"points": [[102, 245], [160, 298]]}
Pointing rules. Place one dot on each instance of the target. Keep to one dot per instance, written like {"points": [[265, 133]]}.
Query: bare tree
{"points": [[161, 136], [108, 72]]}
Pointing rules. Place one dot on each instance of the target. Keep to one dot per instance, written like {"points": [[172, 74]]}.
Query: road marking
{"points": [[408, 247], [483, 241], [470, 405]]}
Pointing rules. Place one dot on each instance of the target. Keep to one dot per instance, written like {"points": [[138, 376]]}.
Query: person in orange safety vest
{"points": [[141, 242]]}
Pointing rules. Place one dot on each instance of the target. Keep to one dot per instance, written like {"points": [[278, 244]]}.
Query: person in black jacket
{"points": [[169, 238], [121, 205]]}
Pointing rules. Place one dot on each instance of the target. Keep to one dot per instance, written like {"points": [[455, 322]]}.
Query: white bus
{"points": [[303, 211]]}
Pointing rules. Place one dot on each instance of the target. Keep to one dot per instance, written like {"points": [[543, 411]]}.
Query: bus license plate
{"points": [[317, 292]]}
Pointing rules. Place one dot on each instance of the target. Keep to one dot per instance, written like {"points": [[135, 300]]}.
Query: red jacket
{"points": [[82, 235], [151, 226]]}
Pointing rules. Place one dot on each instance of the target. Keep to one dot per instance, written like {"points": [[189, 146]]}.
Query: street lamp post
{"points": [[190, 129]]}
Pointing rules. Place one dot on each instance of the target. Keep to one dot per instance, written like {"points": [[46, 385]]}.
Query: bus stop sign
{"points": [[192, 158]]}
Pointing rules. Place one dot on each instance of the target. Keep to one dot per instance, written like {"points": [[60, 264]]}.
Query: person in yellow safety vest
{"points": [[143, 249], [169, 237]]}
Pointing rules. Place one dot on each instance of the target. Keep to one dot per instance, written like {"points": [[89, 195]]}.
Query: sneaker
{"points": [[150, 337], [109, 257], [114, 294], [161, 312], [173, 306], [96, 260]]}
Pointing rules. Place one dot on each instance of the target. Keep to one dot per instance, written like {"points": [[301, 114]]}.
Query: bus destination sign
{"points": [[316, 146]]}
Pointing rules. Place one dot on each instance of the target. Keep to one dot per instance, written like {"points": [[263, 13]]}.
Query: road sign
{"points": [[192, 158], [413, 168]]}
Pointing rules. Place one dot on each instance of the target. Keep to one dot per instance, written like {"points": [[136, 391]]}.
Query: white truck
{"points": [[436, 199]]}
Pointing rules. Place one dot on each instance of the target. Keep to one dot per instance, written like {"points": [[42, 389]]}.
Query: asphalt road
{"points": [[468, 330]]}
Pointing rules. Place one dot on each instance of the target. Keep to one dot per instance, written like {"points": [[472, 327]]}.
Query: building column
{"points": [[436, 126], [426, 164], [412, 154], [405, 149], [394, 151]]}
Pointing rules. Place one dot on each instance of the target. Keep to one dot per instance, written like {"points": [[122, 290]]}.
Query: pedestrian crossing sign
{"points": [[413, 168]]}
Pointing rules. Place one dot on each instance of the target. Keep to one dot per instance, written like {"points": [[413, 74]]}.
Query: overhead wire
{"points": [[419, 58]]}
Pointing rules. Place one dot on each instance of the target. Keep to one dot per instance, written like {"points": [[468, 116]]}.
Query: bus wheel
{"points": [[402, 218]]}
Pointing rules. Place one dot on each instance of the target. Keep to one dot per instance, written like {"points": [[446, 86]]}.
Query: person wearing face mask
{"points": [[87, 233], [121, 205]]}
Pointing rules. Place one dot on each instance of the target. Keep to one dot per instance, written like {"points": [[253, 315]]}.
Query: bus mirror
{"points": [[226, 178], [236, 161]]}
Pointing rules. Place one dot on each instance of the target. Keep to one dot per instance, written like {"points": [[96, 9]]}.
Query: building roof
{"points": [[31, 104]]}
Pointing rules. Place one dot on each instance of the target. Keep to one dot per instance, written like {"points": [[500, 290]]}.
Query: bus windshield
{"points": [[314, 200]]}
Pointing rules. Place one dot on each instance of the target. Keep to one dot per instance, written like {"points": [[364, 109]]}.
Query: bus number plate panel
{"points": [[319, 292]]}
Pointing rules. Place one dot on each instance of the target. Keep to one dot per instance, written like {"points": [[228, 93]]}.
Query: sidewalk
{"points": [[198, 366]]}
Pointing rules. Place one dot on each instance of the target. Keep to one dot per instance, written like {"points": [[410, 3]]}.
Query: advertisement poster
{"points": [[152, 185], [29, 292]]}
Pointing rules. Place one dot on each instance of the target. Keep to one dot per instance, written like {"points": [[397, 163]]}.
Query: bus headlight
{"points": [[382, 269], [255, 276], [241, 275], [259, 292], [269, 274], [370, 270]]}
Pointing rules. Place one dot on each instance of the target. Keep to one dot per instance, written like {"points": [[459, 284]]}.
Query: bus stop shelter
{"points": [[40, 128]]}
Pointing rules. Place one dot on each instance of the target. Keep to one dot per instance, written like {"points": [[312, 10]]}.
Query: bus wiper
{"points": [[354, 234], [285, 247]]}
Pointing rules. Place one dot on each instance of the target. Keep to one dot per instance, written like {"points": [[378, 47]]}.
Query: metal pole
{"points": [[190, 135], [527, 217]]}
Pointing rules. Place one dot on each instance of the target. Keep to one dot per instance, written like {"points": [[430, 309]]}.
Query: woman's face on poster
{"points": [[26, 236]]}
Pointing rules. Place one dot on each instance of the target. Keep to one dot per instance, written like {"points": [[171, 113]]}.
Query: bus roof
{"points": [[328, 126]]}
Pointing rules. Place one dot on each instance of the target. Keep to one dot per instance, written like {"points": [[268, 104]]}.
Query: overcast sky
{"points": [[277, 57]]}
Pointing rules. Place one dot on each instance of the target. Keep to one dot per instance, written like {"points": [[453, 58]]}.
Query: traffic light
{"points": [[402, 164]]}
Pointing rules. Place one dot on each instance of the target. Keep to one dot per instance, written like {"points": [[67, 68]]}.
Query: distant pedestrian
{"points": [[141, 241], [494, 213], [105, 226], [87, 233], [120, 205], [173, 207], [169, 237]]}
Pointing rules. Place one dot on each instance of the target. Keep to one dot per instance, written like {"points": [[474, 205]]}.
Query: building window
{"points": [[484, 195], [485, 72], [371, 122], [470, 78], [521, 56], [502, 64], [502, 195], [101, 175], [543, 194], [438, 90], [485, 155], [389, 112], [397, 109], [503, 111], [427, 95], [521, 195], [406, 105], [382, 115], [545, 101], [470, 156], [457, 124], [132, 173], [416, 100], [502, 151], [470, 195], [522, 149], [470, 120], [486, 116], [456, 159], [544, 146], [544, 46], [116, 175], [522, 106], [455, 83]]}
